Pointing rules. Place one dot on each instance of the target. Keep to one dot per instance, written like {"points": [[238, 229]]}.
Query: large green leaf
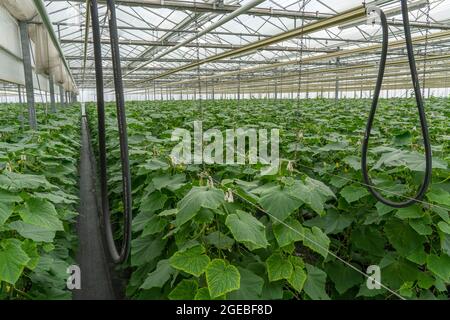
{"points": [[193, 260], [412, 160], [56, 197], [154, 225], [444, 227], [397, 272], [31, 249], [203, 294], [6, 209], [13, 260], [343, 276], [145, 249], [288, 232], [315, 283], [247, 230], [185, 290], [333, 222], [445, 243], [41, 213], [317, 241], [439, 196], [402, 237], [421, 226], [219, 240], [153, 203], [250, 288], [33, 232], [278, 267], [141, 220], [412, 212], [152, 165], [440, 266], [198, 197], [16, 181], [159, 277], [8, 197], [298, 276], [171, 182], [369, 239], [353, 193], [383, 209], [280, 203], [312, 192], [222, 278]]}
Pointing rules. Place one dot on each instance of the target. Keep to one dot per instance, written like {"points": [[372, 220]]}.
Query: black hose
{"points": [[117, 257], [419, 100]]}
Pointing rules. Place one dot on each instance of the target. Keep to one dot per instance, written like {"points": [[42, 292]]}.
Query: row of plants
{"points": [[38, 202], [251, 232]]}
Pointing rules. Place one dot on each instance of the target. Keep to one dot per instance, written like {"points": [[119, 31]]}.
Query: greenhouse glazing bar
{"points": [[309, 28], [348, 52], [211, 7], [175, 45]]}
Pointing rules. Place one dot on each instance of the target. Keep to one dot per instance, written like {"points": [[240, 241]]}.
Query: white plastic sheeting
{"points": [[20, 9], [46, 56]]}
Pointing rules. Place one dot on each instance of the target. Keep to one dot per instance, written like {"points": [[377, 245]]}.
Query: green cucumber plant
{"points": [[245, 232], [38, 203]]}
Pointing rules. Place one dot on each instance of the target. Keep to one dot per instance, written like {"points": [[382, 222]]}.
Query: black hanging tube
{"points": [[419, 100], [117, 257]]}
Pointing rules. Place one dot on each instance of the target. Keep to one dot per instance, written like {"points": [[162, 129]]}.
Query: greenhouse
{"points": [[232, 150]]}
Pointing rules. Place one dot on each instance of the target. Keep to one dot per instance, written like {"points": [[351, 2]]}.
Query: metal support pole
{"points": [[28, 72], [336, 93], [52, 93], [20, 93], [239, 88], [21, 117], [281, 84], [61, 96], [276, 90]]}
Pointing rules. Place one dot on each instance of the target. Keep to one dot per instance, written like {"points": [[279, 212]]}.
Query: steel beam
{"points": [[219, 33], [213, 7], [439, 36], [336, 92], [171, 60], [142, 43], [28, 73], [241, 10], [19, 91], [338, 19], [52, 93], [61, 96]]}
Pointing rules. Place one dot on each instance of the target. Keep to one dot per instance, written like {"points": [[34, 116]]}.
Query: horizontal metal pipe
{"points": [[309, 28], [329, 56], [193, 45], [213, 7]]}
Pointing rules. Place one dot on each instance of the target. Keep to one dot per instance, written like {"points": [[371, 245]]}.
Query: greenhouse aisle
{"points": [[96, 281]]}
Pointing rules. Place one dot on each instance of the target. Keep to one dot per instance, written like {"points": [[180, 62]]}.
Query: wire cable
{"points": [[419, 100], [117, 257], [304, 236]]}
